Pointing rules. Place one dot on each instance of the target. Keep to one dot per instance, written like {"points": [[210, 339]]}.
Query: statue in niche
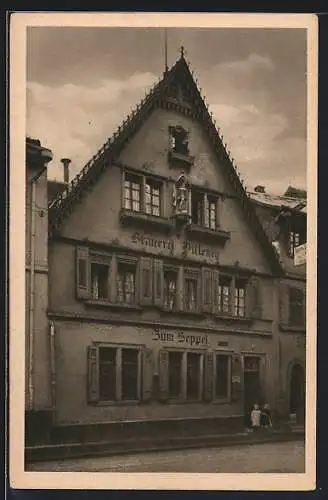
{"points": [[181, 195], [179, 140]]}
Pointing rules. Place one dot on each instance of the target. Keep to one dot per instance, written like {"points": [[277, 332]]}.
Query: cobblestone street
{"points": [[270, 457]]}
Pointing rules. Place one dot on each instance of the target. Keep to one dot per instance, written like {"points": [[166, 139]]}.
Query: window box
{"points": [[205, 233], [140, 219]]}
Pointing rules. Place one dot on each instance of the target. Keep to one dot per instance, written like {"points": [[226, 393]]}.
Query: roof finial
{"points": [[182, 49]]}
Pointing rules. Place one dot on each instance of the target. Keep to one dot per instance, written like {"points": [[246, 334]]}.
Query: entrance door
{"points": [[297, 393], [252, 385]]}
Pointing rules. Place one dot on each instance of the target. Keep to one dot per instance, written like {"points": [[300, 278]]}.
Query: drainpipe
{"points": [[52, 364], [47, 155]]}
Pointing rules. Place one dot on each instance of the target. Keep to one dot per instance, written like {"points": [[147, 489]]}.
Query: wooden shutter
{"points": [[236, 377], [215, 291], [147, 374], [199, 290], [207, 290], [82, 273], [284, 303], [93, 374], [163, 368], [208, 376], [206, 217], [146, 281], [158, 282]]}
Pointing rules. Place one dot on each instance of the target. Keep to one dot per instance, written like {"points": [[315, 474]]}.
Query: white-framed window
{"points": [[126, 281], [143, 194]]}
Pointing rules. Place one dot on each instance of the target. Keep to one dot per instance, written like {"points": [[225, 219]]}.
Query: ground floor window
{"points": [[193, 375], [114, 373], [175, 374], [181, 374], [222, 376]]}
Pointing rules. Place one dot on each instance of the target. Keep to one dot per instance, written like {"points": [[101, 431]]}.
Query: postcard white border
{"points": [[133, 481]]}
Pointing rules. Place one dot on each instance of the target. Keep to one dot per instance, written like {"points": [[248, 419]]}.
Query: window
{"points": [[175, 372], [197, 208], [239, 302], [170, 288], [204, 209], [107, 374], [126, 283], [296, 307], [132, 192], [179, 140], [222, 376], [294, 241], [130, 374], [224, 294], [212, 211], [153, 197], [118, 373], [99, 281], [193, 375], [191, 285]]}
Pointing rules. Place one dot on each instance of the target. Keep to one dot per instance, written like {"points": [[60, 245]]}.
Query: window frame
{"points": [[173, 269], [236, 297], [102, 259], [296, 303], [220, 311], [183, 381], [194, 274], [227, 398], [143, 179], [118, 375], [138, 179], [127, 261]]}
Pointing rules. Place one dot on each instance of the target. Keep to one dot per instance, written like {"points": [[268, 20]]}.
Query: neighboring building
{"points": [[162, 279], [284, 219], [38, 396]]}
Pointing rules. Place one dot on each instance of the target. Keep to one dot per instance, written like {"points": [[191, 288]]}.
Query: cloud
{"points": [[253, 63], [75, 120]]}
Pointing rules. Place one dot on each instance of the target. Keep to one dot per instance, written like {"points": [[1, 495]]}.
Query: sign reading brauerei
{"points": [[300, 255], [173, 247]]}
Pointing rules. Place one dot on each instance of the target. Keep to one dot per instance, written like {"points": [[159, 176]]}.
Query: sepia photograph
{"points": [[164, 319]]}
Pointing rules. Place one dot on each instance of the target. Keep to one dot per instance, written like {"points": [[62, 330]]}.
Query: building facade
{"points": [[284, 219], [38, 396], [162, 280]]}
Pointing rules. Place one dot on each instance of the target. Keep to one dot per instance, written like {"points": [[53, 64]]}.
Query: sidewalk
{"points": [[127, 446]]}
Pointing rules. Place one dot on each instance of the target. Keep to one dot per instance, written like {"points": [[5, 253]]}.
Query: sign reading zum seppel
{"points": [[300, 255], [180, 338]]}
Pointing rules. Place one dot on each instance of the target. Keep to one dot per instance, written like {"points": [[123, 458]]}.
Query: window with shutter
{"points": [[236, 378], [158, 282], [93, 374], [224, 295], [163, 364], [146, 280], [207, 290], [215, 291], [192, 290], [208, 376], [170, 286], [147, 374], [82, 273]]}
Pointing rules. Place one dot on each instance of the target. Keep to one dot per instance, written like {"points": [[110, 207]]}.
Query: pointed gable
{"points": [[177, 92]]}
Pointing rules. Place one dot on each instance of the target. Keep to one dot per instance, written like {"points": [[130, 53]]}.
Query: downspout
{"points": [[52, 364]]}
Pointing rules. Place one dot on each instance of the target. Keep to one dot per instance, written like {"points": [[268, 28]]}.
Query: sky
{"points": [[82, 83]]}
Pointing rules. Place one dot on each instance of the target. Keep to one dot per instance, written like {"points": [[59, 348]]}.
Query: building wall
{"points": [[73, 339], [41, 371]]}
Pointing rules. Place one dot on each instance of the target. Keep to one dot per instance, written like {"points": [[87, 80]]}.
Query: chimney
{"points": [[259, 189], [66, 162]]}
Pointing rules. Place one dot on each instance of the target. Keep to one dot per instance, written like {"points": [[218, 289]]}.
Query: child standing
{"points": [[256, 417], [266, 420]]}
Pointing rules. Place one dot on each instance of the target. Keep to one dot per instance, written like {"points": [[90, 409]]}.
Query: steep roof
{"points": [[180, 73], [280, 202]]}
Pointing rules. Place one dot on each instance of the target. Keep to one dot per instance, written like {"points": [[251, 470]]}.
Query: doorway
{"points": [[252, 385], [297, 393]]}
